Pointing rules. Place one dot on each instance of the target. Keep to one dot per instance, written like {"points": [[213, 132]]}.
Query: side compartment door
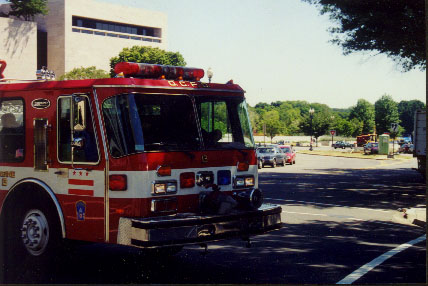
{"points": [[81, 173]]}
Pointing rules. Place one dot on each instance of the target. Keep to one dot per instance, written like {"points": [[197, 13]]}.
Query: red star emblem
{"points": [[80, 173]]}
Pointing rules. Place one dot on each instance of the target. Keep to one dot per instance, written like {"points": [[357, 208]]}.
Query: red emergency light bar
{"points": [[129, 69]]}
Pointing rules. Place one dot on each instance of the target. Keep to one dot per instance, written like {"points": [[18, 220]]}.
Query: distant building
{"points": [[76, 33]]}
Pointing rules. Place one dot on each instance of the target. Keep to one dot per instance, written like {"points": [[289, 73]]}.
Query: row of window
{"points": [[137, 38], [115, 27]]}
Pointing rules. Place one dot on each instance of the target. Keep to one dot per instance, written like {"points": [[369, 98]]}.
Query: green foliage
{"points": [[294, 118], [84, 73], [273, 126], [149, 55], [395, 28], [28, 9], [406, 109], [317, 124], [386, 112], [365, 113]]}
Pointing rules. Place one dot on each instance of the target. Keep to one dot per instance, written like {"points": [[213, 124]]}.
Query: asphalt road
{"points": [[337, 215]]}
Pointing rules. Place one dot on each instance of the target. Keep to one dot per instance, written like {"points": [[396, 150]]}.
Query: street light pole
{"points": [[311, 114], [210, 74], [332, 118]]}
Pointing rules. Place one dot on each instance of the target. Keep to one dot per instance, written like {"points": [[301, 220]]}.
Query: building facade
{"points": [[83, 33]]}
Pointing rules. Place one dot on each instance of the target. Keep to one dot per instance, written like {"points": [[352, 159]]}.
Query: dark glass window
{"points": [[12, 132], [143, 122], [113, 27], [89, 152]]}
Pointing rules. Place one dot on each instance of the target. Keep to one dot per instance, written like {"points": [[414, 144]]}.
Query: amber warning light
{"points": [[158, 71]]}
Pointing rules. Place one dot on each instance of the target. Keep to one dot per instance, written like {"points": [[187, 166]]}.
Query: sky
{"points": [[278, 50]]}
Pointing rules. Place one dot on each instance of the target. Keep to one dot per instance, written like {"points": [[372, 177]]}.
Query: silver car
{"points": [[271, 155]]}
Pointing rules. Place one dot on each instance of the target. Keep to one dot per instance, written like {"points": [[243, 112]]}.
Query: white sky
{"points": [[278, 50]]}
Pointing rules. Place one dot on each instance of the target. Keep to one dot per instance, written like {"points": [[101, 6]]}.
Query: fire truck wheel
{"points": [[32, 240]]}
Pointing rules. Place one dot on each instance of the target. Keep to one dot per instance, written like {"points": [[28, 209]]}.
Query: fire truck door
{"points": [[81, 175]]}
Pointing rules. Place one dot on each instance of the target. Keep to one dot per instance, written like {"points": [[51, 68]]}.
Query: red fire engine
{"points": [[155, 158], [364, 139]]}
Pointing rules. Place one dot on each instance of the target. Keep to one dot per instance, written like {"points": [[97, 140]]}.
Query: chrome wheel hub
{"points": [[35, 232]]}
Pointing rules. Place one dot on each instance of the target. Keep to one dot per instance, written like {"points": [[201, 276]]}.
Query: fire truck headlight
{"points": [[249, 181], [243, 181], [164, 187], [239, 182], [159, 188], [171, 187]]}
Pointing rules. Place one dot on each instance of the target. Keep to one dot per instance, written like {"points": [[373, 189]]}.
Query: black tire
{"points": [[32, 240]]}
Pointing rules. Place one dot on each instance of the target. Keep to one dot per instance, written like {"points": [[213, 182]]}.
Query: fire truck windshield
{"points": [[153, 122]]}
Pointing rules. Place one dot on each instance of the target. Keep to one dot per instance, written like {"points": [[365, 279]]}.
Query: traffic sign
{"points": [[333, 132], [394, 127]]}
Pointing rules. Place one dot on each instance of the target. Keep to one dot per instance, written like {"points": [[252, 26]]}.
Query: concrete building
{"points": [[77, 33]]}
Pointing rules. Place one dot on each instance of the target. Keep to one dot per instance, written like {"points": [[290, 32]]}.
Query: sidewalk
{"points": [[412, 216]]}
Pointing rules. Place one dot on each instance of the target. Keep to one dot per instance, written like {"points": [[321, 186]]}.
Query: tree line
{"points": [[295, 118]]}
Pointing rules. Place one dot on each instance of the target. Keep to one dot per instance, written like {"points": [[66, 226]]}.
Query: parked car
{"points": [[259, 160], [290, 154], [371, 148], [271, 155], [406, 148], [342, 145]]}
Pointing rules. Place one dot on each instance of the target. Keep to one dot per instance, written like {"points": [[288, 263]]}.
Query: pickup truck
{"points": [[342, 144]]}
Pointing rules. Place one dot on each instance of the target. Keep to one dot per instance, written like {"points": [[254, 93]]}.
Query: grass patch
{"points": [[349, 154]]}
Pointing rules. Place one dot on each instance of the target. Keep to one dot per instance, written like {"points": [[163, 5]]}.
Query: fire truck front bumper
{"points": [[182, 229]]}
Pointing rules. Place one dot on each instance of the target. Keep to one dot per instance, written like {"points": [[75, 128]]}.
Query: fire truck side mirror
{"points": [[79, 113]]}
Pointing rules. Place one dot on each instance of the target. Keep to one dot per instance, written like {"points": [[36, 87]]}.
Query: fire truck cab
{"points": [[155, 158]]}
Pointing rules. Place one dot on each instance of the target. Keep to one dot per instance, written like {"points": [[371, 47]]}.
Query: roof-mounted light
{"points": [[153, 71]]}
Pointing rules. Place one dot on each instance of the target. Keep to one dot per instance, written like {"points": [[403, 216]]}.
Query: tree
{"points": [[28, 9], [318, 125], [84, 73], [149, 55], [273, 126], [406, 109], [395, 28], [386, 112], [364, 112]]}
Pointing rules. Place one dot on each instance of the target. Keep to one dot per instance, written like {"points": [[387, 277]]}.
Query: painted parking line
{"points": [[360, 272], [329, 205]]}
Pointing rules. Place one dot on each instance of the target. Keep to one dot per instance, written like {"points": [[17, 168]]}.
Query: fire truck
{"points": [[153, 158], [364, 139]]}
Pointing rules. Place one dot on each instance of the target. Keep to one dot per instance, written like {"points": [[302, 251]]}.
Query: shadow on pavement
{"points": [[375, 188]]}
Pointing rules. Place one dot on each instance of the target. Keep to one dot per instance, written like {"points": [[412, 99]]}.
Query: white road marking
{"points": [[357, 274], [330, 205]]}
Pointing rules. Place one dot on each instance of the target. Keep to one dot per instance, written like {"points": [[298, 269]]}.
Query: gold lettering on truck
{"points": [[5, 174]]}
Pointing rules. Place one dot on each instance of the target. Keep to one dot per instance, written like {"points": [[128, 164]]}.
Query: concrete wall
{"points": [[68, 49], [18, 42]]}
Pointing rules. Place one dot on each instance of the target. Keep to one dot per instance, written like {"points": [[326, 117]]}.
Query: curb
{"points": [[411, 216], [341, 156]]}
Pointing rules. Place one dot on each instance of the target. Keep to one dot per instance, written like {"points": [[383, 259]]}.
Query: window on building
{"points": [[115, 27], [12, 131]]}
